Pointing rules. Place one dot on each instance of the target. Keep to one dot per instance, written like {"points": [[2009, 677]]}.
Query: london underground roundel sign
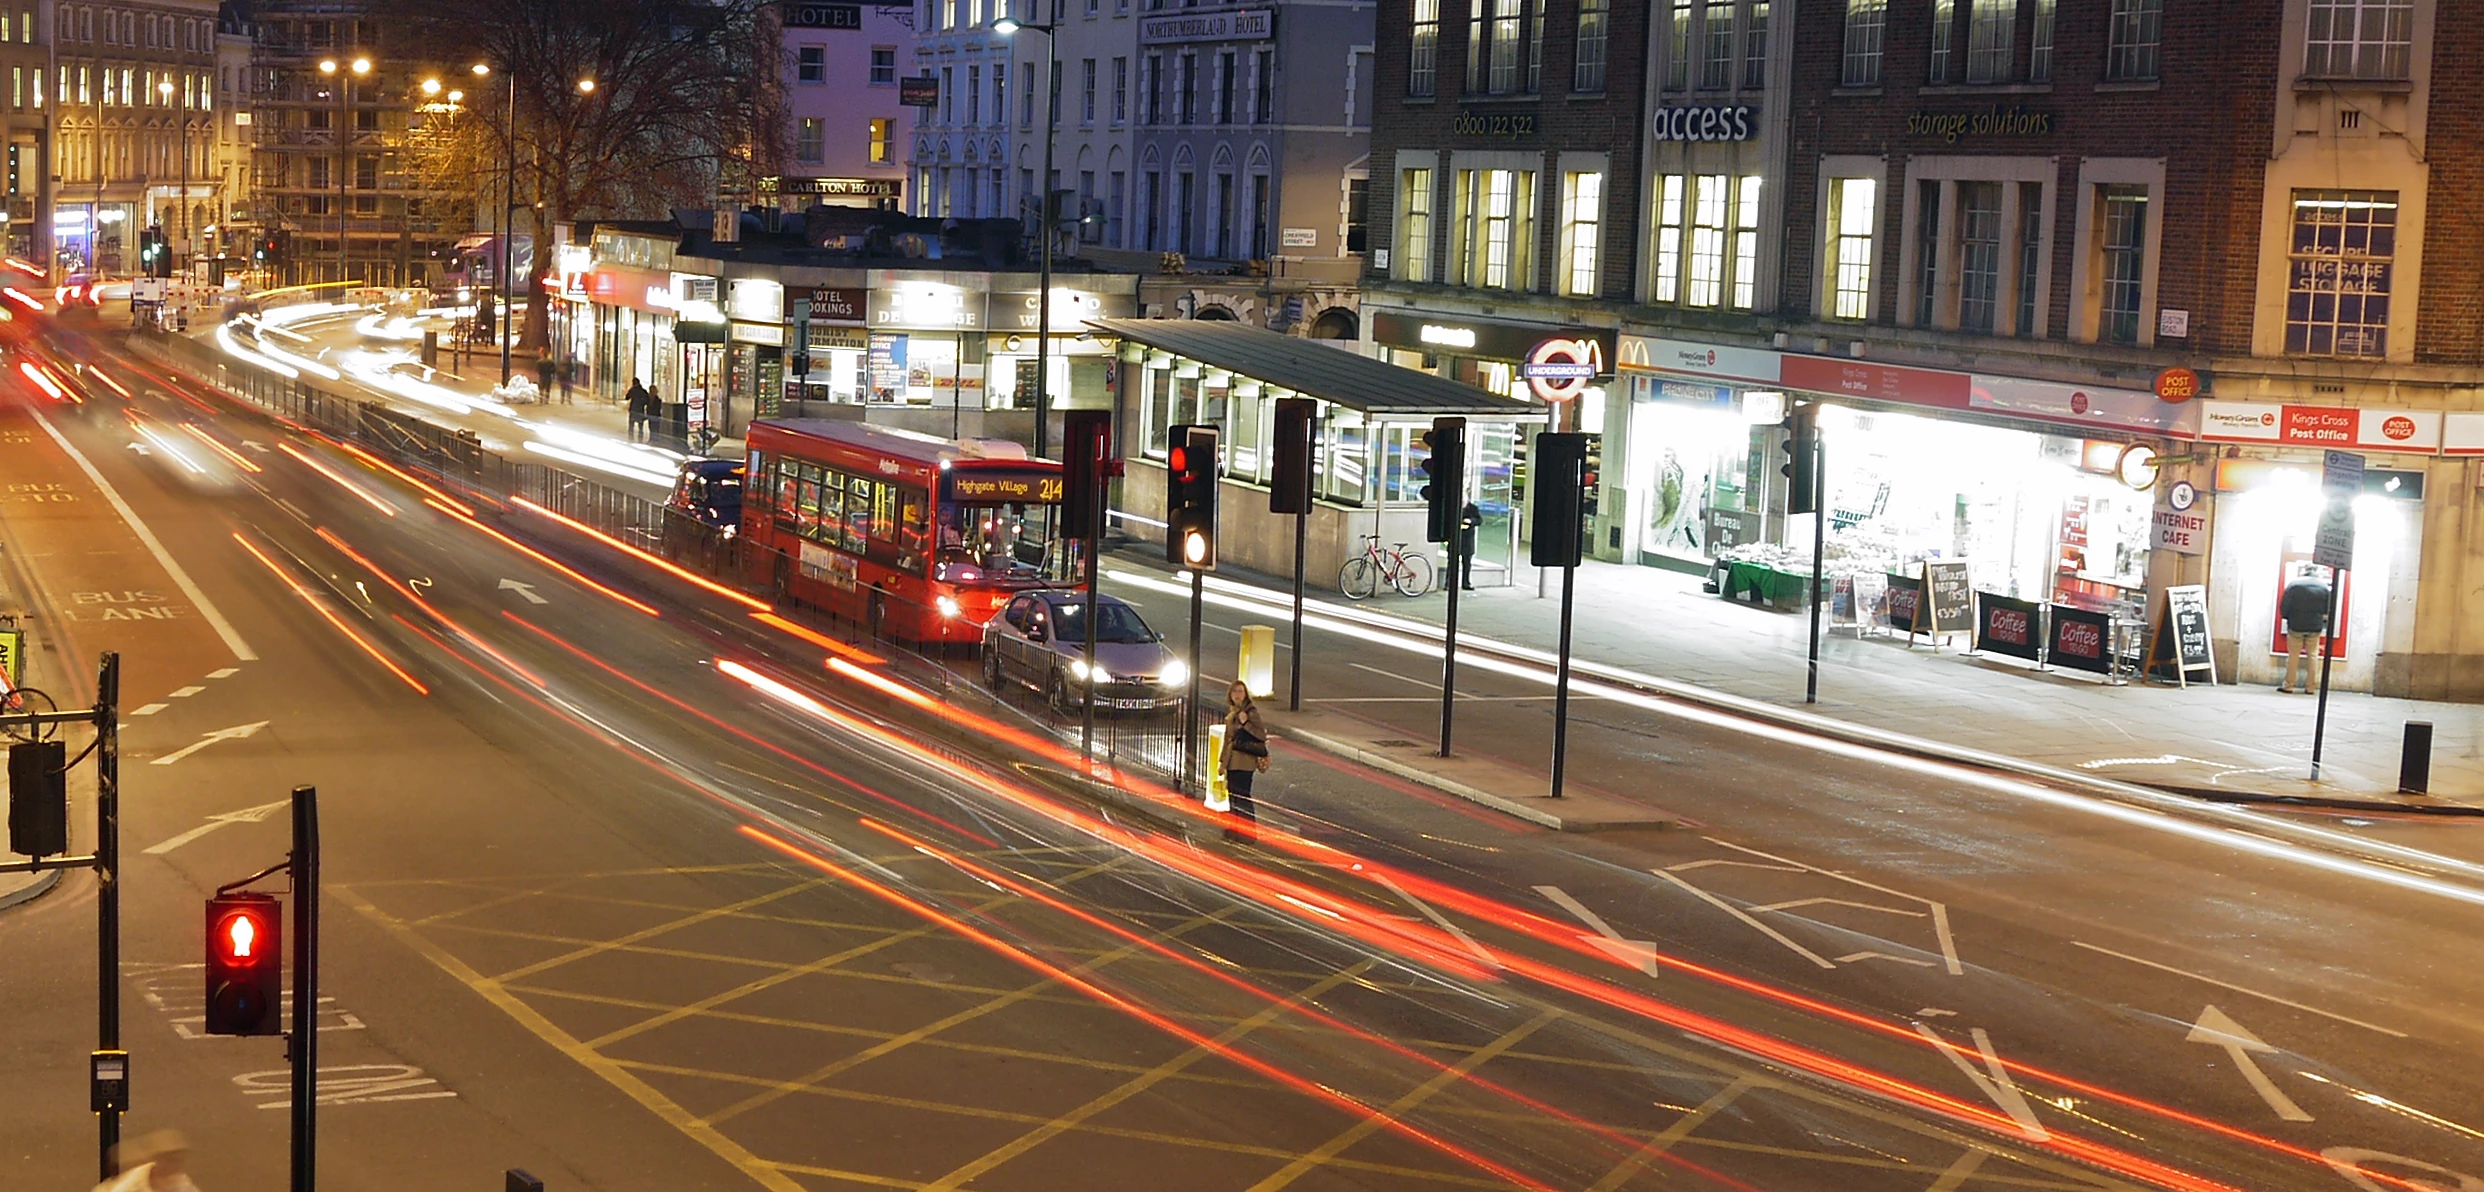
{"points": [[1560, 369]]}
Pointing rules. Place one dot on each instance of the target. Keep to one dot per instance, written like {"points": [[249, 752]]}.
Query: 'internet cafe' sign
{"points": [[1237, 24], [1995, 121]]}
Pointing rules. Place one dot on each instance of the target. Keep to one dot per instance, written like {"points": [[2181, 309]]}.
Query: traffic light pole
{"points": [[1293, 685], [1819, 544], [108, 890], [1561, 682], [303, 1048], [2328, 626], [1190, 722], [1094, 545], [1449, 648]]}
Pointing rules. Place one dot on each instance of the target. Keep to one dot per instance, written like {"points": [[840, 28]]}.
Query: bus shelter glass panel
{"points": [[1494, 485]]}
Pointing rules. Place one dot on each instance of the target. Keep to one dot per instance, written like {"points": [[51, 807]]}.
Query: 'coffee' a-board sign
{"points": [[2080, 640], [1948, 601], [1904, 603], [2178, 642], [2007, 626]]}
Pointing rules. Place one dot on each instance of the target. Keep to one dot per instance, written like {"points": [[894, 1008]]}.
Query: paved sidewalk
{"points": [[2226, 742]]}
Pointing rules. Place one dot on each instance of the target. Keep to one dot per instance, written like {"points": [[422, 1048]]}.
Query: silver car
{"points": [[1039, 641]]}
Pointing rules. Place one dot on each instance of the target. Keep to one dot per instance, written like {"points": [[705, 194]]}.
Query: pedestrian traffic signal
{"points": [[1801, 468], [245, 964], [1289, 488], [1190, 497], [1444, 477], [1558, 491]]}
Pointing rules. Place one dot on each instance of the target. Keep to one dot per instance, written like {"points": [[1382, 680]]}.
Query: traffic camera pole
{"points": [[1819, 545], [303, 1049], [108, 889]]}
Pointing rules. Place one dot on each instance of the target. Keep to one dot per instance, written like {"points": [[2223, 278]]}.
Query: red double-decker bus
{"points": [[918, 537]]}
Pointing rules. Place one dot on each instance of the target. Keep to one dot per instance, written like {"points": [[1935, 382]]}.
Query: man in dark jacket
{"points": [[2305, 609], [1469, 519], [642, 407]]}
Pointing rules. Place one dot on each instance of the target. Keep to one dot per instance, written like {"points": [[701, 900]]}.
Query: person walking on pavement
{"points": [[642, 408], [1469, 519], [157, 1162], [2305, 609], [1246, 749]]}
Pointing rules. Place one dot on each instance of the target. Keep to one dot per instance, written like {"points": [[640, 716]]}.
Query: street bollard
{"points": [[2415, 759], [1257, 665]]}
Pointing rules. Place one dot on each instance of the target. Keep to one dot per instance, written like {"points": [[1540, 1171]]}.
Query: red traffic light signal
{"points": [[1190, 496], [1177, 461], [245, 964]]}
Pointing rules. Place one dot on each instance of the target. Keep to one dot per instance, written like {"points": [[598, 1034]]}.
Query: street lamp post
{"points": [[508, 229], [1007, 26], [181, 208], [344, 133]]}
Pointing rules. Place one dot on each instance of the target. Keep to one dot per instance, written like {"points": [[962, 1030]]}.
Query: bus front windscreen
{"points": [[990, 542]]}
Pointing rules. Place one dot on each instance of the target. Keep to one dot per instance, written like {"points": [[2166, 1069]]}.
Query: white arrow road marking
{"points": [[255, 445], [1748, 921], [235, 733], [2217, 1030], [1490, 961], [1638, 954], [1851, 957], [525, 590], [247, 815], [1996, 1086]]}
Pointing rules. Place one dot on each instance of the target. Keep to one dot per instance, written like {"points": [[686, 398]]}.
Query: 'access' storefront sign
{"points": [[2417, 431]]}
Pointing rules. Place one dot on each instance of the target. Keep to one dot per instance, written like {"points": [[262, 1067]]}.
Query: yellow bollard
{"points": [[1257, 666], [1217, 798]]}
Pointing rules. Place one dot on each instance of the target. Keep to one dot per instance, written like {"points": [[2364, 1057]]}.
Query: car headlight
{"points": [[1175, 673], [1079, 667], [947, 606]]}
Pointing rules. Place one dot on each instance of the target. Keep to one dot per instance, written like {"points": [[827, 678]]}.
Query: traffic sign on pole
{"points": [[2341, 480]]}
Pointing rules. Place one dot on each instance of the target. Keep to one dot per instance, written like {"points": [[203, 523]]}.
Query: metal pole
{"points": [[1819, 544], [1302, 534], [2328, 626], [108, 887], [1190, 717], [1561, 680], [1043, 215], [1094, 543], [508, 229], [1449, 647], [303, 868], [344, 118]]}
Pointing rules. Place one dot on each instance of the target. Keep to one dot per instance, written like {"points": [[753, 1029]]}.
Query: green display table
{"points": [[1764, 585]]}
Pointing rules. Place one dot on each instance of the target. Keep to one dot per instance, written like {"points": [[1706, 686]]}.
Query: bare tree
{"points": [[624, 108]]}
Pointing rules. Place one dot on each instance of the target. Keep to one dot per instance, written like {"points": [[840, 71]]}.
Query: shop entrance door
{"points": [[1496, 540]]}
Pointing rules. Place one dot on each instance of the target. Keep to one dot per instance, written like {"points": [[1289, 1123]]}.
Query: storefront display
{"points": [[2267, 510], [1691, 478]]}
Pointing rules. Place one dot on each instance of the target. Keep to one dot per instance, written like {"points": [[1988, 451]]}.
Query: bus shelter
{"points": [[1367, 443]]}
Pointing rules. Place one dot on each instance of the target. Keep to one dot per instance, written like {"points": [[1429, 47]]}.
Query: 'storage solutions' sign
{"points": [[1995, 121]]}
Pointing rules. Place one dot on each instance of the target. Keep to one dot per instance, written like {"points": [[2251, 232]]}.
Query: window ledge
{"points": [[2129, 85], [1417, 101], [1855, 93], [2325, 83], [1988, 89], [1588, 96], [1499, 99]]}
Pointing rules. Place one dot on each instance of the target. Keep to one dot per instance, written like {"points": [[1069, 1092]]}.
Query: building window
{"points": [[1086, 91], [884, 65], [2030, 252], [2337, 293], [948, 95], [2359, 39], [1263, 87], [810, 137], [1495, 209], [1944, 32], [811, 64], [1866, 22], [1358, 214], [2132, 35], [2122, 224], [1120, 183], [1587, 67], [1414, 225], [1707, 246], [1186, 88], [1151, 207], [1155, 89], [1669, 238], [2040, 47], [1678, 46], [1224, 87], [1052, 98], [974, 94], [1755, 46], [1423, 50], [1089, 228], [1000, 94], [1716, 59], [1121, 89], [1582, 208], [1979, 255], [883, 136], [1185, 190], [1928, 251], [1026, 96], [1991, 26], [1497, 33], [1746, 243]]}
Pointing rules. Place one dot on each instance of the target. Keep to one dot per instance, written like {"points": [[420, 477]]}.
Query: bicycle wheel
{"points": [[1413, 576], [1358, 579]]}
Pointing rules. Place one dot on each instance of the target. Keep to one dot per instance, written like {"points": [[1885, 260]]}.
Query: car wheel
{"points": [[1058, 691]]}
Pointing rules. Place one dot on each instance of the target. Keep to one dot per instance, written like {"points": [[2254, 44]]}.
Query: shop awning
{"points": [[1314, 369]]}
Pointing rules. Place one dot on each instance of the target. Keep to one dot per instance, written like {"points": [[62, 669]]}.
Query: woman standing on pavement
{"points": [[1246, 748]]}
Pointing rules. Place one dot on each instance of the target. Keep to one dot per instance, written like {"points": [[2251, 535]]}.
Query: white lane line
{"points": [[148, 710], [1939, 910], [1997, 1086], [2266, 997], [187, 692], [226, 673], [1640, 954], [181, 579], [1490, 961], [247, 815], [1754, 924], [1386, 674]]}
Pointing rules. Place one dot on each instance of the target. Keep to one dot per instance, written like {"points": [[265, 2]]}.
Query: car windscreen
{"points": [[1121, 623]]}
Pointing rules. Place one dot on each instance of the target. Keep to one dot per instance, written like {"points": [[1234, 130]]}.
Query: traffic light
{"points": [[1289, 489], [39, 798], [1444, 477], [1190, 497], [1558, 489], [245, 964], [1801, 468], [1086, 453], [153, 261]]}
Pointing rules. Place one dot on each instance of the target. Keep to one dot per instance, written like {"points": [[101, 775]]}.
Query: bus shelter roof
{"points": [[1315, 368]]}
